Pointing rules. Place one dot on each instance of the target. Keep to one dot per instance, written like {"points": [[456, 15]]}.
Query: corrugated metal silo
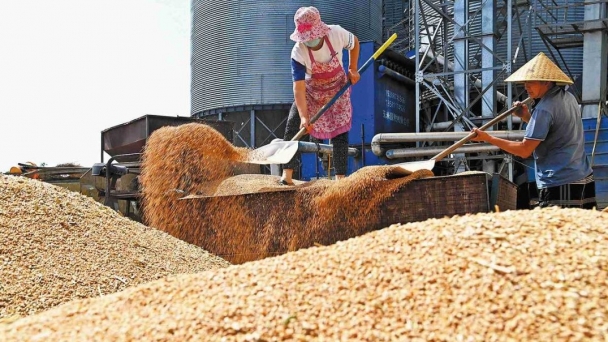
{"points": [[560, 12], [395, 12], [241, 48]]}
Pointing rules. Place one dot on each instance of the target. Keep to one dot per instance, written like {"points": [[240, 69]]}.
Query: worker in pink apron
{"points": [[318, 74]]}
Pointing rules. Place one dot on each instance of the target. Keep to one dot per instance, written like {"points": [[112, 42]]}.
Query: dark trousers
{"points": [[339, 142], [574, 195]]}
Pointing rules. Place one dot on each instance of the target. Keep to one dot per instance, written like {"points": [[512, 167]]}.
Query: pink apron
{"points": [[325, 81]]}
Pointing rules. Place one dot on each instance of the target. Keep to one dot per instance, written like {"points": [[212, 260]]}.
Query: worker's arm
{"points": [[353, 61], [519, 148], [299, 93]]}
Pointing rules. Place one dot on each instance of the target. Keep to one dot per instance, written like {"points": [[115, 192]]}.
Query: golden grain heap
{"points": [[57, 245], [195, 159], [534, 275]]}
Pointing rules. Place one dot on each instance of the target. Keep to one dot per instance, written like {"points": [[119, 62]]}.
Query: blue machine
{"points": [[600, 158], [383, 102]]}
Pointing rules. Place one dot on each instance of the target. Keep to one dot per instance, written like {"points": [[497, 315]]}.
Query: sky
{"points": [[72, 68]]}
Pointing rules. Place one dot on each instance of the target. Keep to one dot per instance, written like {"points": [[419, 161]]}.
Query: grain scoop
{"points": [[280, 151], [429, 164]]}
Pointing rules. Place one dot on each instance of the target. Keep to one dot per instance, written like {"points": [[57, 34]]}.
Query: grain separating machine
{"points": [[115, 182], [67, 175]]}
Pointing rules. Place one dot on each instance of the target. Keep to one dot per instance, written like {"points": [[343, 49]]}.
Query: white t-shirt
{"points": [[339, 38]]}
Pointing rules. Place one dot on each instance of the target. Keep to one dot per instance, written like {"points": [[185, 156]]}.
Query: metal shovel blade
{"points": [[277, 152], [412, 167]]}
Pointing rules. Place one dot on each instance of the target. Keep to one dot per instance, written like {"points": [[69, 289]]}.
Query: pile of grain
{"points": [[57, 245], [245, 184], [354, 202], [528, 276], [192, 160]]}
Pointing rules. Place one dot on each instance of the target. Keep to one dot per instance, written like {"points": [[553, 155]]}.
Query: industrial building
{"points": [[443, 76]]}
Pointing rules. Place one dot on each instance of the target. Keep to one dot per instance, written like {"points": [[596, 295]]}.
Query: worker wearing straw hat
{"points": [[554, 135], [318, 74]]}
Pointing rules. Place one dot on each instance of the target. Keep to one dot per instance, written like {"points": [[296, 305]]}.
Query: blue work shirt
{"points": [[560, 157]]}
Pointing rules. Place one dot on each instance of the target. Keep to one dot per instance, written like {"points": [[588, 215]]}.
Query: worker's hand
{"points": [[305, 123], [481, 135], [522, 109], [353, 76]]}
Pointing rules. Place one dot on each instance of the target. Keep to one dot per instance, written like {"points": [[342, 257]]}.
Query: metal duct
{"points": [[432, 151], [310, 147], [384, 70], [438, 126], [386, 138]]}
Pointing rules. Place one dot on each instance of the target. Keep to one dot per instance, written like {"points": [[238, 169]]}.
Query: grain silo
{"points": [[240, 58]]}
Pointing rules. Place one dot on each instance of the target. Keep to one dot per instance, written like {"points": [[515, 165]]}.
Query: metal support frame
{"points": [[254, 123], [488, 73], [458, 65], [595, 52], [508, 67], [252, 120], [461, 63]]}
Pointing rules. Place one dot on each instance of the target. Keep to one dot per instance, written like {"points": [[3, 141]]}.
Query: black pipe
{"points": [[397, 76], [363, 145]]}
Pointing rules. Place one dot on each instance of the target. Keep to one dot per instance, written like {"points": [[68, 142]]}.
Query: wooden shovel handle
{"points": [[300, 134], [489, 124]]}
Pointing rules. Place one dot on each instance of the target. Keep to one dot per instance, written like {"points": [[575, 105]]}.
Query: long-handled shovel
{"points": [[281, 152], [429, 164]]}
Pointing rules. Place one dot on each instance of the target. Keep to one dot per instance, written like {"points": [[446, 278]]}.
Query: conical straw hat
{"points": [[540, 68]]}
